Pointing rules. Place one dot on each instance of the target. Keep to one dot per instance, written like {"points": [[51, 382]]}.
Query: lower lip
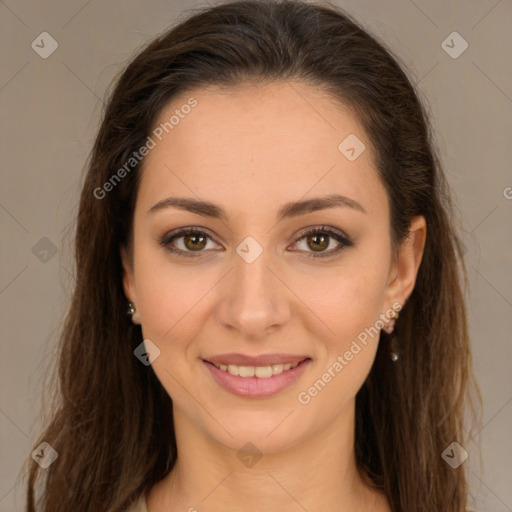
{"points": [[254, 387]]}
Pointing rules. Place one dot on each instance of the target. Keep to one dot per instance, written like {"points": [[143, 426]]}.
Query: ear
{"points": [[128, 277], [129, 283], [404, 271]]}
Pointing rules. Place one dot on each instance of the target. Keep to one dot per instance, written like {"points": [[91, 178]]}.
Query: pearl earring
{"points": [[391, 327], [133, 313]]}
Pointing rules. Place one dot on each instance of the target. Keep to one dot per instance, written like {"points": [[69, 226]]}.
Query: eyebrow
{"points": [[288, 210]]}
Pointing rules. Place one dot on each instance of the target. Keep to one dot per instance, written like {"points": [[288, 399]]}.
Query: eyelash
{"points": [[338, 236]]}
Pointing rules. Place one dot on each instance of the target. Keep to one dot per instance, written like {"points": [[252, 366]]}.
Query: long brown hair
{"points": [[112, 423]]}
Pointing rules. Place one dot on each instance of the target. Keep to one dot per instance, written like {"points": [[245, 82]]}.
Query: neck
{"points": [[317, 474]]}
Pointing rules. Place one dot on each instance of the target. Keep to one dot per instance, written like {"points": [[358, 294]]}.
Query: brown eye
{"points": [[194, 242], [318, 242], [188, 242], [315, 242]]}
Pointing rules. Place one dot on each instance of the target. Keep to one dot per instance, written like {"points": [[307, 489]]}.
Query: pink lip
{"points": [[261, 360], [254, 387]]}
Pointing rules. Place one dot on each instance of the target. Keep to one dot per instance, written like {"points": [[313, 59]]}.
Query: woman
{"points": [[264, 200]]}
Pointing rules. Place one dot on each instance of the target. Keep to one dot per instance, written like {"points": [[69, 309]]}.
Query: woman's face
{"points": [[252, 280]]}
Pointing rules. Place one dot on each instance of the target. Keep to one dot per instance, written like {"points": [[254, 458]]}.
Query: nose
{"points": [[254, 301]]}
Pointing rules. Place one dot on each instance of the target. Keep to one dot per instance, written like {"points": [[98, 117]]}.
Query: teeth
{"points": [[261, 372]]}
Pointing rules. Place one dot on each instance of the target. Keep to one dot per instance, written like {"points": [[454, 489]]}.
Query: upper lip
{"points": [[261, 360]]}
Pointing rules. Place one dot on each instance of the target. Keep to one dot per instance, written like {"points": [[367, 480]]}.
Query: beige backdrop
{"points": [[50, 112]]}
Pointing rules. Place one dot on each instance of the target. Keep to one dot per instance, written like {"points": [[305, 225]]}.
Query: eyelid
{"points": [[323, 229], [339, 236]]}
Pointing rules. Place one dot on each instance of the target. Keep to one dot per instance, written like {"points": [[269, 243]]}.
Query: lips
{"points": [[257, 380]]}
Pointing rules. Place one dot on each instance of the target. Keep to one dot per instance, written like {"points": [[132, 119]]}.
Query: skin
{"points": [[250, 150]]}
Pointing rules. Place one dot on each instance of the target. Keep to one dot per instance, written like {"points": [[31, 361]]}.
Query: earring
{"points": [[389, 329], [133, 313], [394, 355]]}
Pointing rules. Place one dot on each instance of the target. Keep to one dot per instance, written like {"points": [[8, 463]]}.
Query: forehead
{"points": [[262, 144]]}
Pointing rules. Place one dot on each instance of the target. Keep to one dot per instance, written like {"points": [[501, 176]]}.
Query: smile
{"points": [[256, 381]]}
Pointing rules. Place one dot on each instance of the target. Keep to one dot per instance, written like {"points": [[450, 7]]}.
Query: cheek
{"points": [[169, 298], [347, 300], [172, 307], [346, 355], [349, 303]]}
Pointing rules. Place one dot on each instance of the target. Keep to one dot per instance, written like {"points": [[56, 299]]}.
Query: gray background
{"points": [[51, 109]]}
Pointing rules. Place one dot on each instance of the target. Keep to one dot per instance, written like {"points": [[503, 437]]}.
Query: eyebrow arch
{"points": [[288, 210]]}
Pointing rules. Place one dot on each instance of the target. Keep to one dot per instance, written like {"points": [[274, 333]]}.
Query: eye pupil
{"points": [[195, 237], [323, 245]]}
